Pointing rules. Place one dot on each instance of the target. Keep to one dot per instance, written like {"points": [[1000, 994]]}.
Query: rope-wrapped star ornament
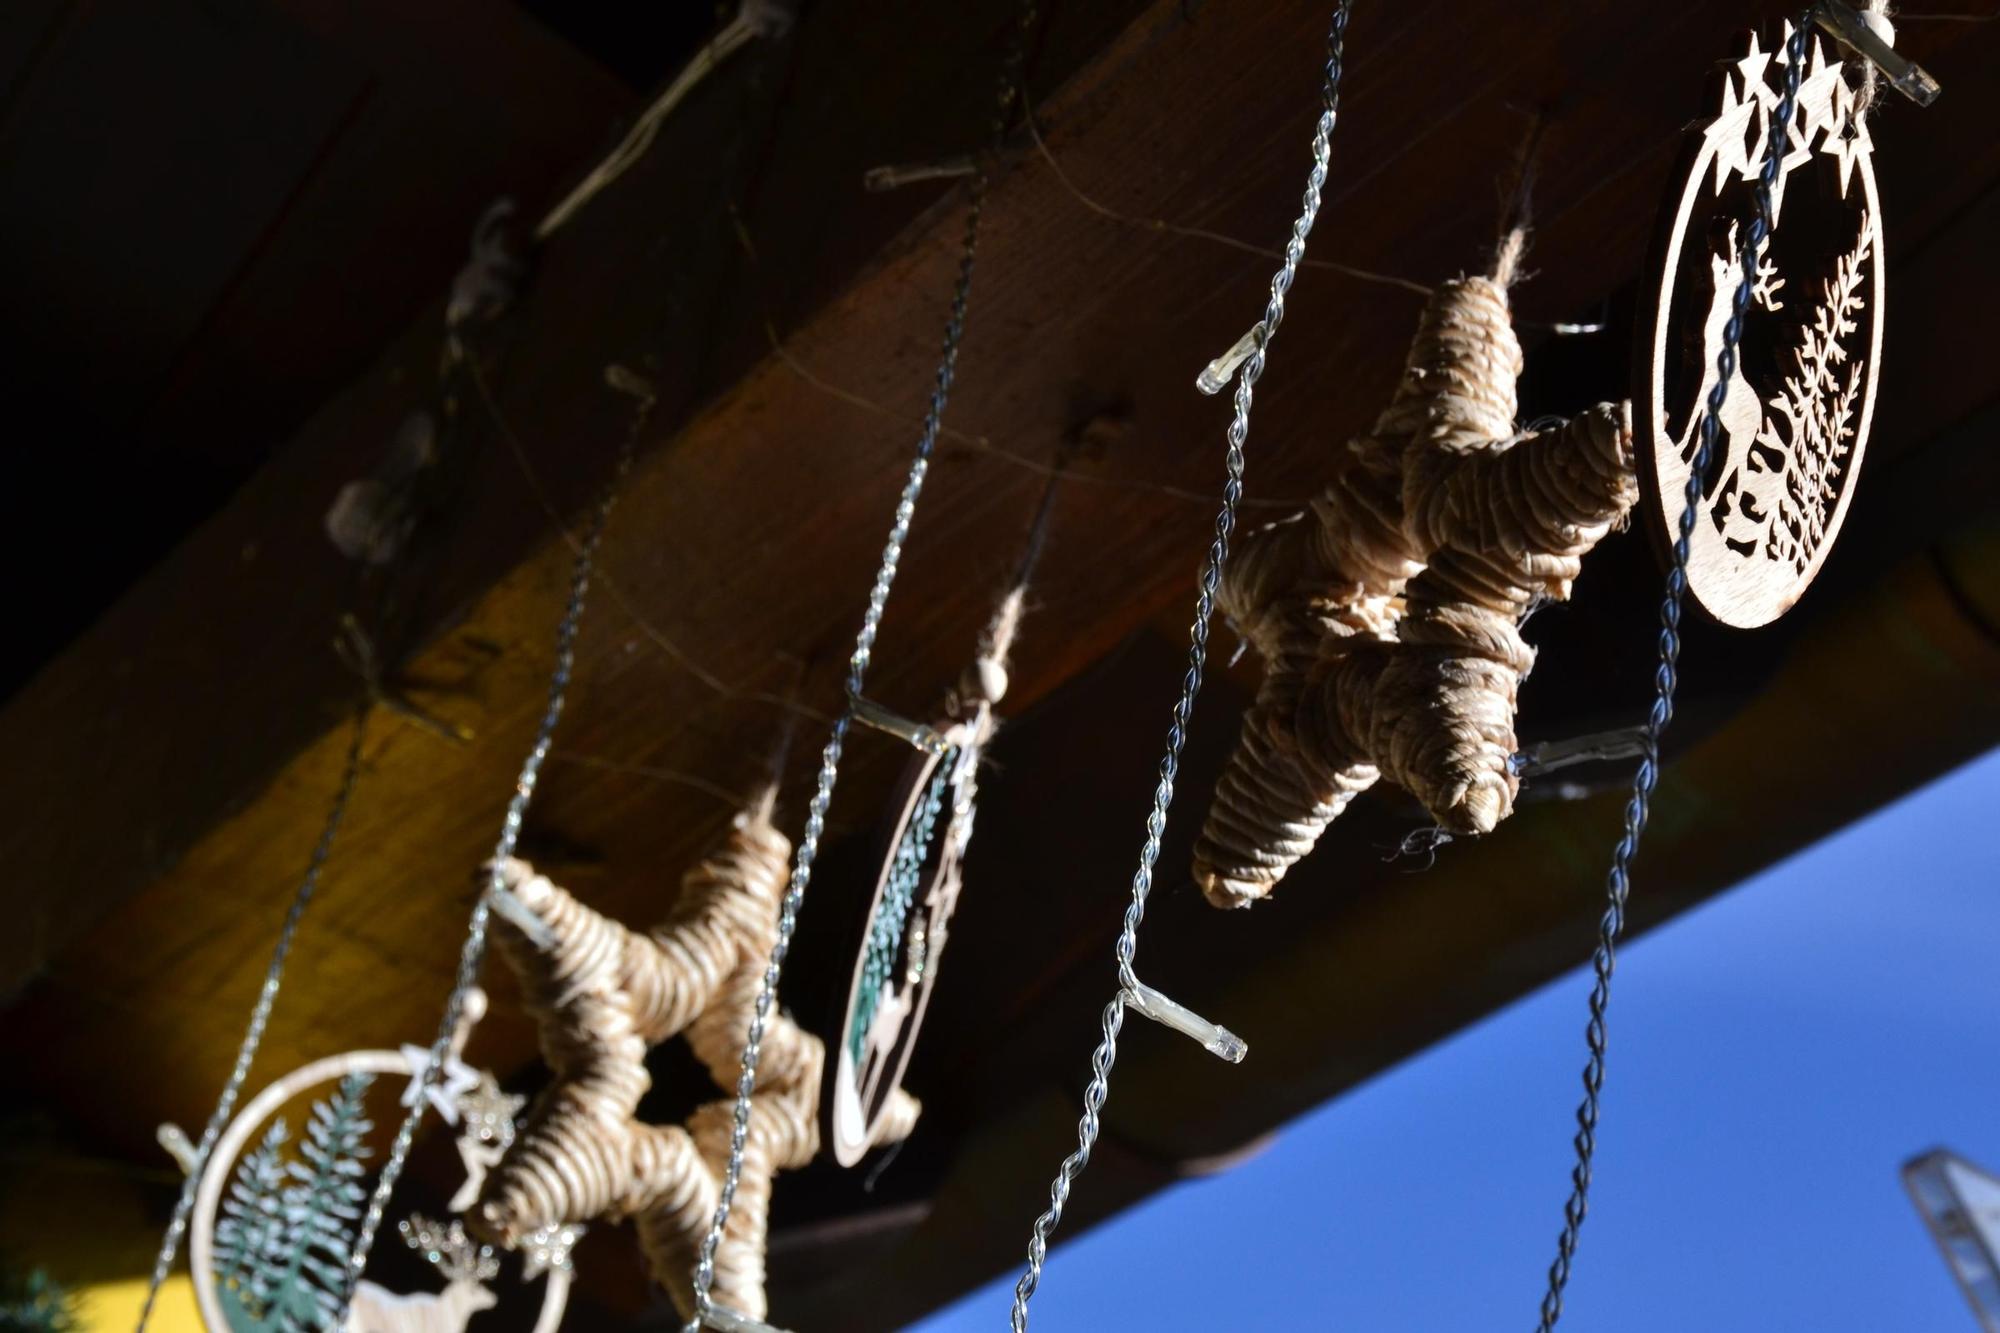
{"points": [[1388, 613], [602, 994]]}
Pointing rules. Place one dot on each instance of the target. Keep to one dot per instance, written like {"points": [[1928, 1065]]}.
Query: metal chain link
{"points": [[1106, 1053], [857, 670], [260, 1017], [1665, 679], [472, 952]]}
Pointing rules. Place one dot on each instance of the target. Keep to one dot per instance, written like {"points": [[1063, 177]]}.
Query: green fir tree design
{"points": [[253, 1224], [282, 1249]]}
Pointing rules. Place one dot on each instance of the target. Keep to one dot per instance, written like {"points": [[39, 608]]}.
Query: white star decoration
{"points": [[547, 1250], [1823, 120], [454, 1080], [489, 1129]]}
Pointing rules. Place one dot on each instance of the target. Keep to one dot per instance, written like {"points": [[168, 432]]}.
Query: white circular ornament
{"points": [[461, 1095], [909, 920], [1795, 417]]}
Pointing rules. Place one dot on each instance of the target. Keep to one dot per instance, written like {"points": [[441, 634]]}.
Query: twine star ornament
{"points": [[1388, 614], [603, 994]]}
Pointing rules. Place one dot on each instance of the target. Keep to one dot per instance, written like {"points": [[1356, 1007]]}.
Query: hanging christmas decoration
{"points": [[908, 923], [916, 892], [1769, 160], [371, 521], [1795, 417], [1388, 614], [272, 1227], [601, 995], [1242, 365], [703, 1309]]}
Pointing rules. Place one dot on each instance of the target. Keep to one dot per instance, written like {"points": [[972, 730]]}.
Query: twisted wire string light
{"points": [[1618, 883], [260, 1017], [857, 670], [1106, 1053], [472, 952]]}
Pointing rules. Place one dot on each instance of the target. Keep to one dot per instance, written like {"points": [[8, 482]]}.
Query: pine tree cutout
{"points": [[283, 1246], [252, 1225]]}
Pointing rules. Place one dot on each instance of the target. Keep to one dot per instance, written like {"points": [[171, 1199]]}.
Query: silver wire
{"points": [[857, 670], [1618, 886], [260, 1017], [472, 952], [1247, 375]]}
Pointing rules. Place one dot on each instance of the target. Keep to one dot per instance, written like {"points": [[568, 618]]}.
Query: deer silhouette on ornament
{"points": [[270, 1239]]}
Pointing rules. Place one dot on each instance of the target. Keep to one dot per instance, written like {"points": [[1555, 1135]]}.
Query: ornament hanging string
{"points": [[857, 670], [480, 291], [490, 404], [472, 952], [260, 1016], [977, 443], [1246, 374], [1665, 678]]}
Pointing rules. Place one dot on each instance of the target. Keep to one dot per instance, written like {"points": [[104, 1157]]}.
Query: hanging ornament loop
{"points": [[706, 1312], [1132, 992], [1868, 34], [1618, 885]]}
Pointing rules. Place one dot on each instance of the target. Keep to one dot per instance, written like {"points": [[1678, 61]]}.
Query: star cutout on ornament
{"points": [[1848, 142], [1731, 133], [454, 1079], [484, 1139], [547, 1250]]}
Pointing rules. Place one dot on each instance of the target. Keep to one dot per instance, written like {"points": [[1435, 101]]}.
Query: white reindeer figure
{"points": [[1750, 478], [466, 1266]]}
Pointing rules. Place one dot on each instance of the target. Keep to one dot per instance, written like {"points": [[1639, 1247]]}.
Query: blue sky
{"points": [[1775, 1056]]}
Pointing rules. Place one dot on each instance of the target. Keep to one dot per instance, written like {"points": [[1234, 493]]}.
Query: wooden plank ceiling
{"points": [[173, 763]]}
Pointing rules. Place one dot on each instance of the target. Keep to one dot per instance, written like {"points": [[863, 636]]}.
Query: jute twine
{"points": [[602, 994], [1388, 613]]}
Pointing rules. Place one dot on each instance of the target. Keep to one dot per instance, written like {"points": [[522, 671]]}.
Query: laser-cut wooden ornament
{"points": [[464, 1097], [1795, 421], [909, 920]]}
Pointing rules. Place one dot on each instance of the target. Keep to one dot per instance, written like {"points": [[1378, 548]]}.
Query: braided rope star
{"points": [[1388, 614], [602, 994]]}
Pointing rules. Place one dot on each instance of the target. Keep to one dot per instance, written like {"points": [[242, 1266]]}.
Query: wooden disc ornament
{"points": [[1794, 421], [272, 1221], [909, 920]]}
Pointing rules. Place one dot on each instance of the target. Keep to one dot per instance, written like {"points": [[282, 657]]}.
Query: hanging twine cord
{"points": [[260, 1017], [1389, 614], [857, 671], [1106, 1053], [472, 952], [1665, 678]]}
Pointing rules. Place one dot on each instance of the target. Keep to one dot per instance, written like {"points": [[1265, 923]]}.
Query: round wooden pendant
{"points": [[1795, 416], [483, 1116], [909, 920]]}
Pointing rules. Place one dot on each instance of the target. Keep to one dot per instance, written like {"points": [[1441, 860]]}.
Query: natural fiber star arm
{"points": [[1387, 615], [602, 994], [1510, 529]]}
